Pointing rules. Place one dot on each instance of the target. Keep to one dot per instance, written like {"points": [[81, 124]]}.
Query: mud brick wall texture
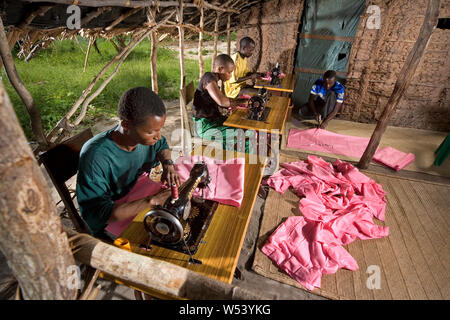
{"points": [[274, 27], [376, 59]]}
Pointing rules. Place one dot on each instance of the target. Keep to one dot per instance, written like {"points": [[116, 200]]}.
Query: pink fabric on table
{"points": [[268, 76], [227, 178], [325, 141], [144, 187], [393, 158], [226, 186], [245, 96], [338, 204]]}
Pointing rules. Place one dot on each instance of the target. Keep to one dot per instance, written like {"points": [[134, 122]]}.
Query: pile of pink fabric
{"points": [[268, 76], [338, 204], [226, 186], [326, 141]]}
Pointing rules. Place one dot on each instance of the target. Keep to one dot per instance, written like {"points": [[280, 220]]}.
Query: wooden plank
{"points": [[275, 120], [224, 237], [287, 84]]}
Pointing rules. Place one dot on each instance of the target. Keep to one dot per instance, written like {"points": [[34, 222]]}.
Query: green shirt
{"points": [[106, 173]]}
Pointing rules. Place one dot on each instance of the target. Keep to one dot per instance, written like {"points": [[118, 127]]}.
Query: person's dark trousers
{"points": [[323, 107]]}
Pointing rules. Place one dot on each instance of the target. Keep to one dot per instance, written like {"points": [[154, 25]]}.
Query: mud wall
{"points": [[274, 27], [377, 57]]}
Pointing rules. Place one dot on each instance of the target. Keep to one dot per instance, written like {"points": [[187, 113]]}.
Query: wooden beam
{"points": [[122, 18], [31, 236], [136, 4], [201, 63], [181, 44], [228, 35], [24, 94], [149, 274], [404, 79], [216, 37], [91, 41]]}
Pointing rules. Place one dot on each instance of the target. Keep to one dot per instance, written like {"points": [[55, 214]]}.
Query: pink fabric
{"points": [[330, 142], [326, 141], [144, 187], [227, 178], [268, 76], [393, 158], [227, 185], [338, 204], [245, 96]]}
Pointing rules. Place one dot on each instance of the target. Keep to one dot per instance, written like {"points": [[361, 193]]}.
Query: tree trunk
{"points": [[24, 94], [31, 235], [403, 81], [216, 36]]}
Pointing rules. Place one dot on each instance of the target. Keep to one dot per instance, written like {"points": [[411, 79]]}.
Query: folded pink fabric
{"points": [[227, 178], [268, 76], [226, 186], [338, 204], [393, 158]]}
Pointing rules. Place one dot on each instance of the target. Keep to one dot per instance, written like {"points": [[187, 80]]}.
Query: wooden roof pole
{"points": [[151, 16], [228, 35], [31, 234], [24, 94], [201, 63], [216, 36], [404, 79], [181, 43]]}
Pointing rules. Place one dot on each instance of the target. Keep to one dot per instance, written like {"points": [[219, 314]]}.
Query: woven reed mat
{"points": [[414, 259]]}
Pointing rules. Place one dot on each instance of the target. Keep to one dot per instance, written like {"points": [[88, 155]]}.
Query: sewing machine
{"points": [[181, 222], [257, 106], [275, 74]]}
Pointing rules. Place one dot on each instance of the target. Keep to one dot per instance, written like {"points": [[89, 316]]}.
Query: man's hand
{"points": [[323, 125], [170, 176]]}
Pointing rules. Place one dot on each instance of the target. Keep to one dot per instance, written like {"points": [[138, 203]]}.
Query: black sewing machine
{"points": [[181, 222], [257, 106], [275, 74]]}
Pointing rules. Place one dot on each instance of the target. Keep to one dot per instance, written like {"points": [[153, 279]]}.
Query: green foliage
{"points": [[56, 79]]}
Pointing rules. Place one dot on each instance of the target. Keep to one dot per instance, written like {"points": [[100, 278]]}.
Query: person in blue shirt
{"points": [[112, 161], [325, 100]]}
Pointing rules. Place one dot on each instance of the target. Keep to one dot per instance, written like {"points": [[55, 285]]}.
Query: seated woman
{"points": [[210, 100]]}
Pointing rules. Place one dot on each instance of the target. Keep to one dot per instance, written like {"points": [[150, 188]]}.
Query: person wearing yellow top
{"points": [[237, 85]]}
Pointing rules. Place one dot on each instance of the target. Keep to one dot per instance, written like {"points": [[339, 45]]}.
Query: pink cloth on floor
{"points": [[325, 141], [226, 186], [227, 178], [338, 204], [393, 158]]}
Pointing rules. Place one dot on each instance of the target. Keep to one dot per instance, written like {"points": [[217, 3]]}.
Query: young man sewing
{"points": [[112, 161], [236, 85], [210, 100], [325, 100]]}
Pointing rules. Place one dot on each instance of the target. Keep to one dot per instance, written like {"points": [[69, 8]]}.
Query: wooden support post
{"points": [[181, 43], [91, 41], [153, 59], [229, 35], [405, 77], [24, 94], [151, 274], [31, 236], [201, 64], [216, 36]]}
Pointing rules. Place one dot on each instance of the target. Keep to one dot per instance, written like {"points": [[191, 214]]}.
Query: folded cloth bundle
{"points": [[226, 186], [393, 158], [338, 204]]}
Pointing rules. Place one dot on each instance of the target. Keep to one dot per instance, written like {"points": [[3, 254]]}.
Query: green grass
{"points": [[55, 79]]}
